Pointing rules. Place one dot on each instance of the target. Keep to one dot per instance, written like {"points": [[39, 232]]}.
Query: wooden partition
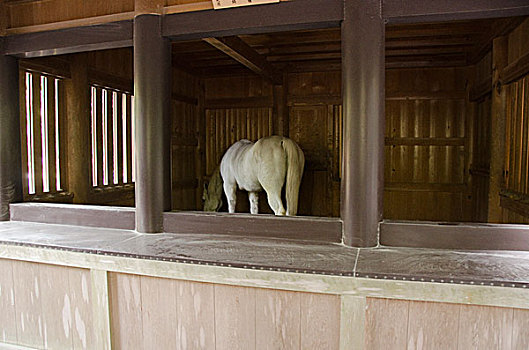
{"points": [[123, 303]]}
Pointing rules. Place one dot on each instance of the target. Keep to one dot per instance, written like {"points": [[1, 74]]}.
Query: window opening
{"points": [[41, 126], [112, 140]]}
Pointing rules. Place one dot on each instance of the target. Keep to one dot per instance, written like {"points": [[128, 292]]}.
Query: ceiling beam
{"points": [[237, 49], [415, 11]]}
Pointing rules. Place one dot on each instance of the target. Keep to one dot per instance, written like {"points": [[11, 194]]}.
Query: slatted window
{"points": [[112, 137], [41, 127]]}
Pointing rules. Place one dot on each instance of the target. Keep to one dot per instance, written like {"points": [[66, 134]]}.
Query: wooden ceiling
{"points": [[448, 44]]}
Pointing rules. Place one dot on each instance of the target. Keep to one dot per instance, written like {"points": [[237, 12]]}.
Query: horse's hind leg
{"points": [[230, 190], [274, 200], [254, 202]]}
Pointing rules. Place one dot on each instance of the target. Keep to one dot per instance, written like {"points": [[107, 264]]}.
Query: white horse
{"points": [[266, 164]]}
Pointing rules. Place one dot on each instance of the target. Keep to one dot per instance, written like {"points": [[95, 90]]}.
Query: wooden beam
{"points": [[78, 136], [454, 236], [71, 40], [283, 16], [10, 146], [497, 146], [415, 11], [515, 70], [237, 49]]}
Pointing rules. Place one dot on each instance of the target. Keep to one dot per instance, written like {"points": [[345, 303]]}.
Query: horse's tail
{"points": [[295, 164]]}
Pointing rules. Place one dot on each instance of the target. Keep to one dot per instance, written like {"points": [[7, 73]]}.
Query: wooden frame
{"points": [[288, 15]]}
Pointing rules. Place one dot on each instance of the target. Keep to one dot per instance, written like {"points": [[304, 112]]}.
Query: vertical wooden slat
{"points": [[28, 306], [51, 135], [520, 325], [158, 301], [23, 132], [320, 321], [126, 311], [484, 327], [196, 318], [37, 135], [278, 320], [99, 135], [119, 140], [110, 139], [352, 322], [201, 151], [499, 61], [432, 325], [525, 188], [57, 307], [235, 332], [63, 146], [382, 330], [129, 138], [8, 316], [94, 303]]}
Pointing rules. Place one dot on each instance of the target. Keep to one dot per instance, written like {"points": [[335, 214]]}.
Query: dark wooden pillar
{"points": [[10, 152], [497, 145], [79, 178], [363, 121], [152, 61]]}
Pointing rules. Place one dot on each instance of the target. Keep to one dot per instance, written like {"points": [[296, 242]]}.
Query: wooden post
{"points": [[152, 82], [10, 148], [78, 125], [280, 108], [363, 121], [498, 105]]}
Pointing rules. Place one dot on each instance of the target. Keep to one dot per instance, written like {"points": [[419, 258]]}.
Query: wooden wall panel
{"points": [[125, 310], [386, 324], [47, 306], [8, 319], [320, 320], [196, 316], [235, 318], [158, 306], [520, 333], [186, 142], [26, 13], [237, 87], [482, 327], [518, 42], [427, 150], [115, 62], [28, 304], [227, 126], [278, 319], [430, 323], [183, 314], [399, 324]]}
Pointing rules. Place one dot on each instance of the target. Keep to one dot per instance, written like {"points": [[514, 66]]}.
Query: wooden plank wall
{"points": [[427, 148], [481, 138], [157, 313], [236, 108], [187, 143], [45, 306], [517, 130], [315, 119], [400, 324]]}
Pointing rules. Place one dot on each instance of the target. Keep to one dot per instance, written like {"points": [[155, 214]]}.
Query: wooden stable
{"points": [[437, 127], [412, 116]]}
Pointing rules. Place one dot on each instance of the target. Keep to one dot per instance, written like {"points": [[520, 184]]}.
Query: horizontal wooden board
{"points": [[303, 228]]}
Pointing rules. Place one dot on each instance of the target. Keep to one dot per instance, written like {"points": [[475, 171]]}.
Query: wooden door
{"points": [[316, 128]]}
